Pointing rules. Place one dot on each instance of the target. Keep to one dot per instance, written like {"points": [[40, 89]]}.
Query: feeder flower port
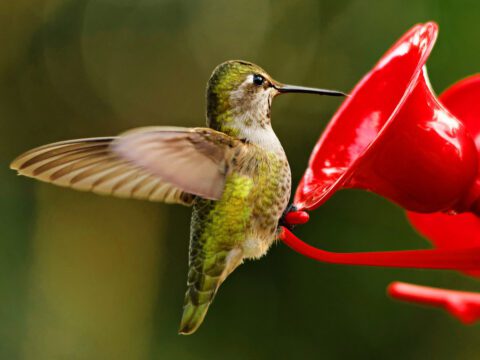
{"points": [[394, 137]]}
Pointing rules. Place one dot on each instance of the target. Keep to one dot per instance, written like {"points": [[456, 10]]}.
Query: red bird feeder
{"points": [[451, 231], [392, 136], [462, 230]]}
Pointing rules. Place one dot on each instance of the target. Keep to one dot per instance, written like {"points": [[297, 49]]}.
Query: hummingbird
{"points": [[233, 173]]}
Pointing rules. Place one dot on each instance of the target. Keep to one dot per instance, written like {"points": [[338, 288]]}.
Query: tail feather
{"points": [[202, 287], [192, 318]]}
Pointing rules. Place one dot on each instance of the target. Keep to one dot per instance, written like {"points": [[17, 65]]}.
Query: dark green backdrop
{"points": [[88, 277]]}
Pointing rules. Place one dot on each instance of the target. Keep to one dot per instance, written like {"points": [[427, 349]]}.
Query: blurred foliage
{"points": [[88, 277]]}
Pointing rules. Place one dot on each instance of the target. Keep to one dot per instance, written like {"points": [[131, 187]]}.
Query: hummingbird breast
{"points": [[256, 193], [269, 198]]}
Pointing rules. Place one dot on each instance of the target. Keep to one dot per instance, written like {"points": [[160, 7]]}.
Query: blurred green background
{"points": [[90, 277]]}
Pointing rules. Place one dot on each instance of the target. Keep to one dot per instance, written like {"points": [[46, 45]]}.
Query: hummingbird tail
{"points": [[202, 287], [192, 317]]}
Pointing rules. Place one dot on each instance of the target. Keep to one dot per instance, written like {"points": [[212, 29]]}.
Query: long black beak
{"points": [[283, 89]]}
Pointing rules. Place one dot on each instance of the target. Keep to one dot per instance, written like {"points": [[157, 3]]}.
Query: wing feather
{"points": [[172, 165], [91, 165], [195, 160]]}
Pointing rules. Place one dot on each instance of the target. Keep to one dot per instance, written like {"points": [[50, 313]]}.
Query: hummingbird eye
{"points": [[258, 79]]}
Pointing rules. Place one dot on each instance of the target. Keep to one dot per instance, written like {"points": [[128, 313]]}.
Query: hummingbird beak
{"points": [[284, 89]]}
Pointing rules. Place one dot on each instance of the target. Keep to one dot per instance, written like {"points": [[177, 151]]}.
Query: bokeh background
{"points": [[90, 277]]}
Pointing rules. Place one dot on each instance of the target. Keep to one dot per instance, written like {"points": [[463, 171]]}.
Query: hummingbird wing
{"points": [[92, 165], [165, 164], [195, 160]]}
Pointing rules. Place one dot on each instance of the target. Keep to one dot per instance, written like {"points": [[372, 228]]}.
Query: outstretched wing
{"points": [[114, 165]]}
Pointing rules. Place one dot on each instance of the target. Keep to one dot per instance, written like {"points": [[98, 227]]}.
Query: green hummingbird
{"points": [[234, 173]]}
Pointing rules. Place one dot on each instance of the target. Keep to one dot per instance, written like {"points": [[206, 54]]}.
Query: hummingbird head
{"points": [[239, 96]]}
